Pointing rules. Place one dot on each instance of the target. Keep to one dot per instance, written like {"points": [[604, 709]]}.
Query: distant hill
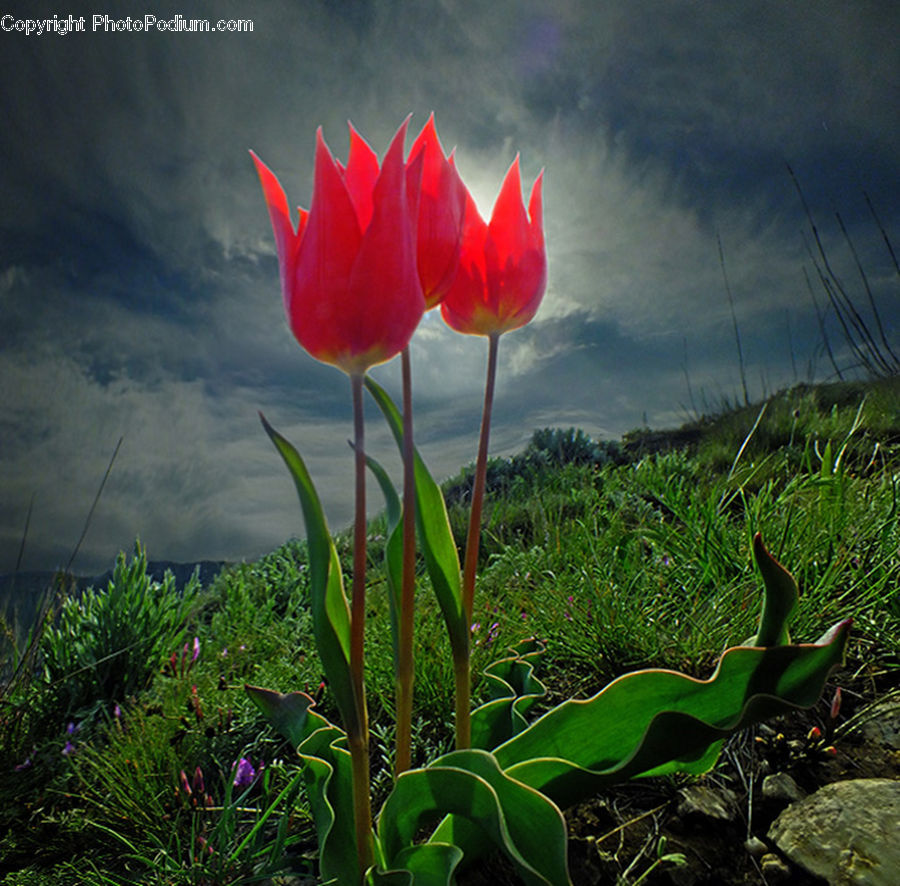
{"points": [[21, 593]]}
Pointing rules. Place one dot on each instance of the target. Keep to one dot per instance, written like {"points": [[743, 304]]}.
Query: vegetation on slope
{"points": [[130, 753]]}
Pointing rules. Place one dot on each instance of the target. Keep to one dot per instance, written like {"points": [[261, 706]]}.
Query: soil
{"points": [[614, 838]]}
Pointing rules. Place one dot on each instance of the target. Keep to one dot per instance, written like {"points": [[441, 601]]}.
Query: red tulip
{"points": [[503, 265], [441, 212], [348, 273]]}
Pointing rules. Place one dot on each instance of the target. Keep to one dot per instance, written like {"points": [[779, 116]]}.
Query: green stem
{"points": [[359, 742], [463, 725], [405, 663]]}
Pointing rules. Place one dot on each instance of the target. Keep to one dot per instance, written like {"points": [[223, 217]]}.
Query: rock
{"points": [[756, 847], [700, 800], [781, 786], [773, 868], [845, 832]]}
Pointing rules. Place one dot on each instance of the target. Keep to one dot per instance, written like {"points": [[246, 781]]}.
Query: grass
{"points": [[617, 556]]}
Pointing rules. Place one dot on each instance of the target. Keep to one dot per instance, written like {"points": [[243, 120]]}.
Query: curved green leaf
{"points": [[330, 612], [512, 690], [328, 773], [654, 721], [425, 864], [520, 821], [779, 601], [290, 713], [436, 538]]}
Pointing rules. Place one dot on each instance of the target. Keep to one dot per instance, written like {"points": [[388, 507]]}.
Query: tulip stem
{"points": [[463, 723], [358, 742], [405, 662]]}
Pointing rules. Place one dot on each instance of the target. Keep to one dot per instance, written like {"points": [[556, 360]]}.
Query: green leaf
{"points": [[288, 713], [520, 821], [425, 864], [330, 612], [327, 776], [779, 601], [653, 722], [435, 536], [328, 773], [512, 689]]}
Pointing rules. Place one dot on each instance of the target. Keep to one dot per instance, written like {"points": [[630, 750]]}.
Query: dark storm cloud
{"points": [[138, 281]]}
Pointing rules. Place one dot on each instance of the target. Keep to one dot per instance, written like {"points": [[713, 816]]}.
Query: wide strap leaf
{"points": [[330, 612], [519, 820], [655, 721], [512, 689], [435, 536]]}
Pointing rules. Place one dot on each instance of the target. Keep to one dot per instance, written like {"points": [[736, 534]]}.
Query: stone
{"points": [[755, 846], [780, 786], [700, 800], [773, 868], [846, 832]]}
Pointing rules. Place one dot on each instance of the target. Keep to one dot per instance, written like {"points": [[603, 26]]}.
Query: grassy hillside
{"points": [[119, 740]]}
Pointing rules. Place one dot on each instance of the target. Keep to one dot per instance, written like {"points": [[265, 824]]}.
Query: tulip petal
{"points": [[319, 307], [360, 176], [509, 223], [440, 214], [287, 242], [384, 286]]}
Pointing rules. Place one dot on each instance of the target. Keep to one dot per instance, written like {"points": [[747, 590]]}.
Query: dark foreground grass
{"points": [[121, 751]]}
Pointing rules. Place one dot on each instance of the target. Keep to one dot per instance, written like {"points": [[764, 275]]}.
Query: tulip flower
{"points": [[353, 298], [498, 287], [503, 265], [348, 272]]}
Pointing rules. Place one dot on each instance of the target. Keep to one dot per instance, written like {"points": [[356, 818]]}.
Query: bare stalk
{"points": [[405, 662], [463, 669], [358, 741]]}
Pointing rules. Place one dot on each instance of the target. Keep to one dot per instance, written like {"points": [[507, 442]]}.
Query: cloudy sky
{"points": [[139, 292]]}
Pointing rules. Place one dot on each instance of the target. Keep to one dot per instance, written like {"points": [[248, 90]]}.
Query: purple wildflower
{"points": [[69, 748], [244, 773]]}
